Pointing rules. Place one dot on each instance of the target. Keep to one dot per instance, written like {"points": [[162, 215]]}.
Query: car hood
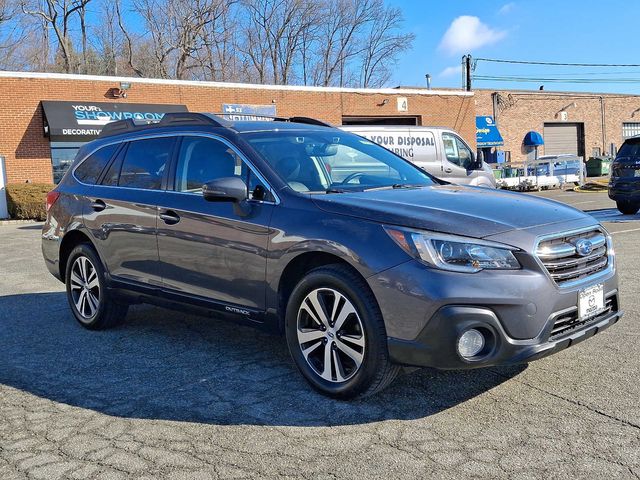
{"points": [[470, 211]]}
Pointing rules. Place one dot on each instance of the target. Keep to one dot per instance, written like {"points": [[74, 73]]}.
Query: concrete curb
{"points": [[18, 222]]}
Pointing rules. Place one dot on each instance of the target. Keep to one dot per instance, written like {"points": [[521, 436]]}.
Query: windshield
{"points": [[334, 162], [630, 148]]}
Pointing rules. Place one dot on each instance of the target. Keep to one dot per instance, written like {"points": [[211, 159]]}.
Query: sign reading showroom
{"points": [[84, 121]]}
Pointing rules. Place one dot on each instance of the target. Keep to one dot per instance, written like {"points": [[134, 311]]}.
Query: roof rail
{"points": [[192, 118], [309, 121], [168, 119], [120, 126]]}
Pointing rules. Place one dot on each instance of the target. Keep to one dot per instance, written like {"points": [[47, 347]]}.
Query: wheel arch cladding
{"points": [[69, 242], [297, 268]]}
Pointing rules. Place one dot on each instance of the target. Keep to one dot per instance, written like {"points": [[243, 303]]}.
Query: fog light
{"points": [[470, 343]]}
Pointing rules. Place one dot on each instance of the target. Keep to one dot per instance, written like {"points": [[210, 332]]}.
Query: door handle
{"points": [[448, 170], [170, 217], [98, 205]]}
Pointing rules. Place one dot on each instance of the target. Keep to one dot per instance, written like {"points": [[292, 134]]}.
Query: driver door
{"points": [[457, 161], [211, 249]]}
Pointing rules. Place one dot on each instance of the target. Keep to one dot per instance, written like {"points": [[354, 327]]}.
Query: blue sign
{"points": [[487, 134], [237, 112]]}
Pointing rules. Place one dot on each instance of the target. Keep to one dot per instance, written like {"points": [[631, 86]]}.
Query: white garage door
{"points": [[561, 138]]}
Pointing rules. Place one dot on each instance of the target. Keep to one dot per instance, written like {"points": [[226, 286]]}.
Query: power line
{"points": [[556, 64], [553, 80]]}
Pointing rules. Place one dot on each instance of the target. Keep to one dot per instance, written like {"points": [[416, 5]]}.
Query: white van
{"points": [[439, 151]]}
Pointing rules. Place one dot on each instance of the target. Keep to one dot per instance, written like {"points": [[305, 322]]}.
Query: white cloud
{"points": [[467, 33], [451, 71], [506, 8]]}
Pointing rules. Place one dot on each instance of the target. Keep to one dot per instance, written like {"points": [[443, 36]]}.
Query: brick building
{"points": [[585, 124], [31, 141]]}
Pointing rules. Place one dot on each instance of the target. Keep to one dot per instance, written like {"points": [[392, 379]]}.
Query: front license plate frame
{"points": [[591, 301]]}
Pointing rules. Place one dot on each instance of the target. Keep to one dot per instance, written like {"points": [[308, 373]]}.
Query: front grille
{"points": [[569, 322], [575, 256]]}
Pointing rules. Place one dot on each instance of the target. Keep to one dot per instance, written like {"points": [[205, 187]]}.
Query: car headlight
{"points": [[453, 253]]}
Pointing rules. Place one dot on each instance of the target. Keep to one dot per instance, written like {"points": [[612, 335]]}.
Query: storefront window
{"points": [[62, 155]]}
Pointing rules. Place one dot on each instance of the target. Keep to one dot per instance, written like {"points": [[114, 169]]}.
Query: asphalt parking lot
{"points": [[168, 395]]}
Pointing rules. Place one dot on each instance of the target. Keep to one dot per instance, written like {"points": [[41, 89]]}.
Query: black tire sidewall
{"points": [[370, 316], [627, 208], [87, 251]]}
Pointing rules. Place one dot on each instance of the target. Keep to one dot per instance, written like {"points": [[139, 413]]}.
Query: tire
{"points": [[628, 208], [92, 304], [359, 366]]}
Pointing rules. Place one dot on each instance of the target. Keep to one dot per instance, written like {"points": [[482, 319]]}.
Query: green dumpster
{"points": [[598, 166]]}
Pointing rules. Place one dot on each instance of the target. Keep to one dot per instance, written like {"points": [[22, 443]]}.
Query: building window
{"points": [[62, 155], [630, 129]]}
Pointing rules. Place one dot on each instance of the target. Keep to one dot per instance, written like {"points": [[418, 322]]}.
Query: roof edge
{"points": [[196, 83]]}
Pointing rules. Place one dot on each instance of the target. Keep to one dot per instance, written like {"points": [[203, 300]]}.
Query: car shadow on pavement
{"points": [[166, 365]]}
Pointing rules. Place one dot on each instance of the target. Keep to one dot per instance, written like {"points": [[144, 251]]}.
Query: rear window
{"points": [[630, 148], [89, 171], [145, 162]]}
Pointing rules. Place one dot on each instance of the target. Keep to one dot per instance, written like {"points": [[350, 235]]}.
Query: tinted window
{"points": [[145, 162], [630, 148], [201, 160], [89, 170]]}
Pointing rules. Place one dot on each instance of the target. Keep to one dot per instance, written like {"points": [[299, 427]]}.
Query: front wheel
{"points": [[90, 301], [336, 334], [628, 208]]}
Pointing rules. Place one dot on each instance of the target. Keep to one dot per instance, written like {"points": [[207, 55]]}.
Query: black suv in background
{"points": [[364, 261], [624, 185]]}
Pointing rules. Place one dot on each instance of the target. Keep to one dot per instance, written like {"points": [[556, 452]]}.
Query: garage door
{"points": [[562, 138]]}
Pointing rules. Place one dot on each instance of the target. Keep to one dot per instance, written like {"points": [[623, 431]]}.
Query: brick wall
{"points": [[27, 150], [523, 111]]}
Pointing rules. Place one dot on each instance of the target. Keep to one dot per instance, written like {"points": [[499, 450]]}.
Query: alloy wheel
{"points": [[85, 287], [330, 335]]}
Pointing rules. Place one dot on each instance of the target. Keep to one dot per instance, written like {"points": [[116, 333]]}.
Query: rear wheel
{"points": [[90, 301], [336, 335], [628, 208]]}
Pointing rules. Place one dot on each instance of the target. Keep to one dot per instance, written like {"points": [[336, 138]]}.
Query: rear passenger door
{"points": [[210, 249], [122, 210]]}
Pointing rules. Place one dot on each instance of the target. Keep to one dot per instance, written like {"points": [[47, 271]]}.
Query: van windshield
{"points": [[334, 162], [630, 148]]}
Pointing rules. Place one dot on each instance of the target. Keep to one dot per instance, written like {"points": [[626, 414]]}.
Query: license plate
{"points": [[591, 301]]}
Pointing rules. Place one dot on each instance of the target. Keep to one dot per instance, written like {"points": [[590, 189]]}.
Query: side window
{"points": [[203, 159], [89, 170], [456, 151], [145, 162]]}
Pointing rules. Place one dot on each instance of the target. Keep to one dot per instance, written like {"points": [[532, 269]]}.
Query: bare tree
{"points": [[382, 45], [218, 56], [58, 15]]}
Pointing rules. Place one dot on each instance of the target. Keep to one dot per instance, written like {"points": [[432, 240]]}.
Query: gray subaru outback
{"points": [[365, 262]]}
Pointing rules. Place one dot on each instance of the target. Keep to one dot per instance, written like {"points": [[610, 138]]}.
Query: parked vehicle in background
{"points": [[439, 151], [624, 184], [362, 260]]}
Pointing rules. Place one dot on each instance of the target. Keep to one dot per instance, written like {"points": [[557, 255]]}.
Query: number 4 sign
{"points": [[403, 104]]}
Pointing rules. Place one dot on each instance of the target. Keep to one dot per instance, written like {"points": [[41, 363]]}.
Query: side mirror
{"points": [[226, 189], [476, 160]]}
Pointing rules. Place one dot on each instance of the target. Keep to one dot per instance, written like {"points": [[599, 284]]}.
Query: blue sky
{"points": [[575, 31]]}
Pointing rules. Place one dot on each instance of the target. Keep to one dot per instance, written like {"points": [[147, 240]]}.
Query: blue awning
{"points": [[487, 134], [533, 139]]}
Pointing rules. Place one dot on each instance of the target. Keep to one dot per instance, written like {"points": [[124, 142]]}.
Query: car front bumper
{"points": [[426, 310]]}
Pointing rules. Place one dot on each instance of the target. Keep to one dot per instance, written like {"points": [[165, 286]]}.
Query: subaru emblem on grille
{"points": [[583, 247]]}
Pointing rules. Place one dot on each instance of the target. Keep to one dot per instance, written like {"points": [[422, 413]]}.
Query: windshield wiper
{"points": [[395, 186]]}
